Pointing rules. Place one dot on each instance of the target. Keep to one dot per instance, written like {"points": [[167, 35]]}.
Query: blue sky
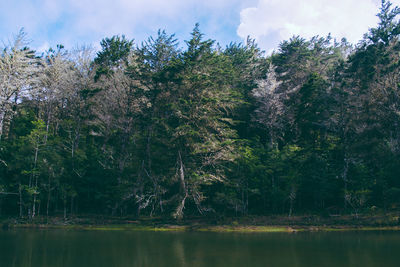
{"points": [[79, 22]]}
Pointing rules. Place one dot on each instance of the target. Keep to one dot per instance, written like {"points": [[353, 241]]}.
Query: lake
{"points": [[56, 248]]}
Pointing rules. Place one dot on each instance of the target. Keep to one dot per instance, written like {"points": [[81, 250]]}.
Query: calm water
{"points": [[55, 248]]}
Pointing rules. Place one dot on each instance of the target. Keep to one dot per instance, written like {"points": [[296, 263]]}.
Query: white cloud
{"points": [[272, 21]]}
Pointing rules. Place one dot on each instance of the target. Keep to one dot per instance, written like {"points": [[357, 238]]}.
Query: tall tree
{"points": [[18, 73]]}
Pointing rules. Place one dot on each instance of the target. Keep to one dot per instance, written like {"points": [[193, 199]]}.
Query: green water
{"points": [[56, 248]]}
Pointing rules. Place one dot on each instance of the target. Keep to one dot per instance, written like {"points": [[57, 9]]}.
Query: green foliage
{"points": [[162, 130], [388, 28], [115, 50]]}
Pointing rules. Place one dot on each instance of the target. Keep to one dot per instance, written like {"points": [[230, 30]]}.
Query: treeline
{"points": [[156, 129]]}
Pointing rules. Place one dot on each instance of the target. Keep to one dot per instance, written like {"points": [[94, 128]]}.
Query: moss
{"points": [[345, 228], [248, 229], [245, 225], [134, 228], [217, 229]]}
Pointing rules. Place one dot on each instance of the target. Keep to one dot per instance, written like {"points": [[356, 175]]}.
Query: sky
{"points": [[86, 22]]}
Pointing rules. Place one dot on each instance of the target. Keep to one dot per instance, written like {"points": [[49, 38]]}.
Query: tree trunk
{"points": [[291, 207], [72, 204], [182, 174], [292, 197], [20, 200], [345, 180], [65, 207], [47, 128], [2, 116], [34, 205], [48, 203], [138, 187], [183, 188], [34, 176], [38, 209], [148, 152]]}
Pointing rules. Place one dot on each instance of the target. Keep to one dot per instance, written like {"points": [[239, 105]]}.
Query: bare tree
{"points": [[19, 69]]}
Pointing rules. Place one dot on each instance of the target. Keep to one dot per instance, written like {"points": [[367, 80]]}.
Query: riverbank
{"points": [[249, 224]]}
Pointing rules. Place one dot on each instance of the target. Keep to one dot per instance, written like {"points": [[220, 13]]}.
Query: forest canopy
{"points": [[159, 129]]}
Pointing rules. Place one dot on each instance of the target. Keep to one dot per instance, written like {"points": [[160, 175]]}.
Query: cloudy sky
{"points": [[78, 22]]}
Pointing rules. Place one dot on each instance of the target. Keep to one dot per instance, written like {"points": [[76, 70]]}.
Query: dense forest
{"points": [[163, 129]]}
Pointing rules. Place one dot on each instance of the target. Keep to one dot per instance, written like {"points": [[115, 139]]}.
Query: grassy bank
{"points": [[207, 228], [259, 224]]}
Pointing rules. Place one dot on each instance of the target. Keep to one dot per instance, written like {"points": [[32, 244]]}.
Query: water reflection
{"points": [[55, 248]]}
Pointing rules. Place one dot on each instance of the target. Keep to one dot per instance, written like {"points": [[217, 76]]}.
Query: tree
{"points": [[155, 68], [36, 139], [18, 73], [115, 52], [202, 136]]}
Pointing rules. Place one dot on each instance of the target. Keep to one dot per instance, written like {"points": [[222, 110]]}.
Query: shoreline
{"points": [[258, 224], [206, 228]]}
